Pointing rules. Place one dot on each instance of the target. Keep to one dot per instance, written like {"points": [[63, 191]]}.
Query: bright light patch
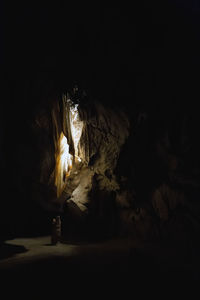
{"points": [[64, 159], [63, 163], [76, 128], [78, 158]]}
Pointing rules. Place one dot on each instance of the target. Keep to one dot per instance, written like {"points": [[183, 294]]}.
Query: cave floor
{"points": [[122, 261]]}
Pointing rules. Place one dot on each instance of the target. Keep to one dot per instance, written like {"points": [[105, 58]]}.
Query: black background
{"points": [[143, 55], [147, 50]]}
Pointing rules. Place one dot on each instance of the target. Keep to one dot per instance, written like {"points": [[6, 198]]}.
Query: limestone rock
{"points": [[103, 131]]}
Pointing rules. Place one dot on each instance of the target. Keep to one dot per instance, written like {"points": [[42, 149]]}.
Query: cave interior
{"points": [[99, 126]]}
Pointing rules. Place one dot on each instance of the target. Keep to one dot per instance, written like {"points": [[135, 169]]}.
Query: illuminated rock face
{"points": [[87, 142], [65, 160], [80, 172], [63, 164], [79, 160], [81, 167], [76, 126]]}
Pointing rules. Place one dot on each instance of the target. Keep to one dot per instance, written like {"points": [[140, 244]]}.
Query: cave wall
{"points": [[153, 72], [139, 174], [162, 187], [104, 132]]}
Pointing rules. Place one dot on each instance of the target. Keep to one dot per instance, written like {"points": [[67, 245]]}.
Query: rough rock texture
{"points": [[139, 173], [159, 197], [93, 180]]}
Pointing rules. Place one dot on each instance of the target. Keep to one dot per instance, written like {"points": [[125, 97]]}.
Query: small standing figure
{"points": [[56, 230]]}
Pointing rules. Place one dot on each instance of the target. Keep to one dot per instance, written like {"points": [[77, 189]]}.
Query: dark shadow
{"points": [[7, 250]]}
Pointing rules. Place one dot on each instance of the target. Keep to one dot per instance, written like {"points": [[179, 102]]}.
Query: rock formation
{"points": [[78, 164], [106, 171]]}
